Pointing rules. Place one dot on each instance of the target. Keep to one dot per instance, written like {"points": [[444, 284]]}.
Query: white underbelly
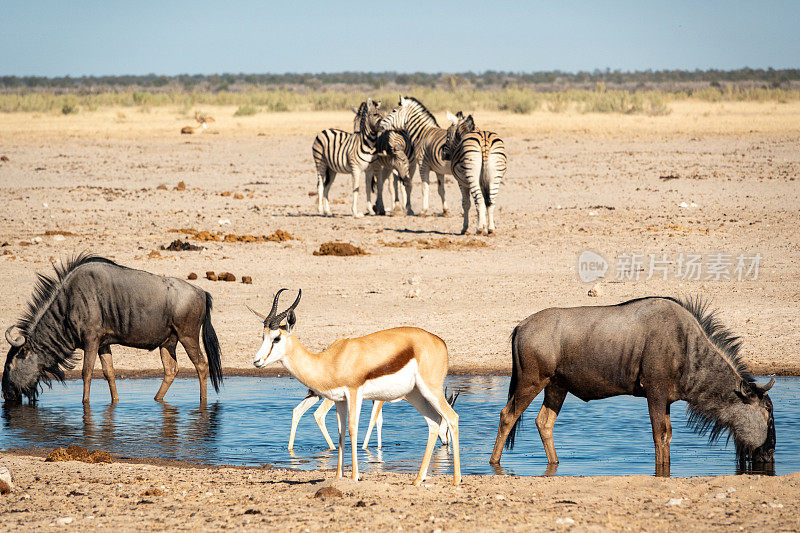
{"points": [[391, 386]]}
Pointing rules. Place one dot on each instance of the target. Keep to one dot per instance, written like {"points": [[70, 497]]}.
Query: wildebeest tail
{"points": [[211, 346], [512, 388]]}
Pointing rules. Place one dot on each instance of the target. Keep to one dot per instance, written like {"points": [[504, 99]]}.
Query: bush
{"points": [[69, 109], [246, 111]]}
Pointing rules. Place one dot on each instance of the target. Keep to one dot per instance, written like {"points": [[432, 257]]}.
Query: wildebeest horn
{"points": [[765, 388], [16, 343], [259, 315], [276, 320]]}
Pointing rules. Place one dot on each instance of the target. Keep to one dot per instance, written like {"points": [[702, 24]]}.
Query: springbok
{"points": [[375, 419], [386, 365]]}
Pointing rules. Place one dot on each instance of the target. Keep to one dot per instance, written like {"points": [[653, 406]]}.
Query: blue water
{"points": [[248, 423]]}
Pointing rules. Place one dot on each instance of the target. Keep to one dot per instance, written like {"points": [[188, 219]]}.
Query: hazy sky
{"points": [[75, 37]]}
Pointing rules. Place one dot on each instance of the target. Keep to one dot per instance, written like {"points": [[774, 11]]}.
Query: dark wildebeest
{"points": [[658, 347], [92, 303]]}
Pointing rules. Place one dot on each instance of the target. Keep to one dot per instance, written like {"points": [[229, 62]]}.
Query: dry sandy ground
{"points": [[575, 182], [121, 495]]}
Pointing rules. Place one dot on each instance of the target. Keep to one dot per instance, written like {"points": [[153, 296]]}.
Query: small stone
{"points": [[6, 482], [191, 275], [361, 503], [181, 186], [414, 281], [721, 496], [59, 238], [328, 492], [162, 187], [565, 521], [674, 501], [65, 520], [414, 293], [247, 280], [596, 291], [499, 497], [36, 240]]}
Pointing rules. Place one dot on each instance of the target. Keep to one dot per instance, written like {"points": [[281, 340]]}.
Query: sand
{"points": [[613, 184]]}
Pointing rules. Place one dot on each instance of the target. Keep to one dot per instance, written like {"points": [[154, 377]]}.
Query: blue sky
{"points": [[56, 38]]}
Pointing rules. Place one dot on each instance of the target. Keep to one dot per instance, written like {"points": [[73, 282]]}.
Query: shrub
{"points": [[246, 111]]}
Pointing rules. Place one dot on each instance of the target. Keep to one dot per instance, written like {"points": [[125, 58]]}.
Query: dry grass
{"points": [[688, 117]]}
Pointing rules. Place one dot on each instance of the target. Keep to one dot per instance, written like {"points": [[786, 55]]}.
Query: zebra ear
{"points": [[401, 100], [452, 118], [469, 123], [377, 104], [460, 114], [353, 109]]}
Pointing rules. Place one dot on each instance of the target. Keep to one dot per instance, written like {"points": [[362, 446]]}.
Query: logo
{"points": [[591, 266]]}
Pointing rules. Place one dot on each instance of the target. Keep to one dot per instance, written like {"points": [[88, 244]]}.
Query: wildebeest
{"points": [[657, 347], [92, 303]]}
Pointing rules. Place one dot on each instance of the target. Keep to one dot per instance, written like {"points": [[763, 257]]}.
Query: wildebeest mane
{"points": [[704, 419], [44, 325]]}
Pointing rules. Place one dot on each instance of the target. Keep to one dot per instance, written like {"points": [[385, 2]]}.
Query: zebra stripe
{"points": [[479, 162], [393, 152], [413, 118], [337, 151]]}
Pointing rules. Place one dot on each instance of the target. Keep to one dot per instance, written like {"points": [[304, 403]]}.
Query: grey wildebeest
{"points": [[658, 347], [92, 303]]}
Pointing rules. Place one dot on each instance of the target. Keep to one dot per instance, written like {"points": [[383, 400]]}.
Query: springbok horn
{"points": [[279, 318], [16, 343], [275, 304], [765, 388], [259, 315]]}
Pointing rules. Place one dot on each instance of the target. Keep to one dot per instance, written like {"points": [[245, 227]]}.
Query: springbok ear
{"points": [[259, 315], [765, 388], [291, 320], [452, 118]]}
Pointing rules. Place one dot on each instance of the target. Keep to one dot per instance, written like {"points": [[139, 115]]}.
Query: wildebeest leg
{"points": [[89, 358], [170, 361], [553, 400], [192, 347], [662, 432], [516, 405], [108, 371]]}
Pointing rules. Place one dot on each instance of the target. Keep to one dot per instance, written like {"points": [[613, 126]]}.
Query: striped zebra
{"points": [[337, 151], [393, 152], [413, 118], [478, 158]]}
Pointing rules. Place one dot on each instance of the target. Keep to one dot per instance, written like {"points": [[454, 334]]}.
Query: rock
{"points": [[210, 275], [361, 503], [59, 238], [223, 221], [162, 187], [565, 521], [328, 492], [675, 501], [181, 186], [238, 196], [225, 193], [226, 276], [36, 240], [65, 520], [4, 158], [247, 280], [414, 293], [721, 496], [154, 254], [191, 275], [414, 281], [153, 491], [6, 481], [596, 291]]}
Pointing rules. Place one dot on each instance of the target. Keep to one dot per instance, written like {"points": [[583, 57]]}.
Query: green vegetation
{"points": [[647, 93]]}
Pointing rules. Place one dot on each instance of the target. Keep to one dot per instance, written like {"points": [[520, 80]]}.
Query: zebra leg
{"points": [[357, 175], [445, 210], [380, 208], [465, 203], [329, 176], [320, 191], [370, 179], [480, 207], [425, 176]]}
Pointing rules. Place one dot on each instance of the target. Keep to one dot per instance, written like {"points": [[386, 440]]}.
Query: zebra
{"points": [[393, 152], [413, 118], [337, 151], [478, 159]]}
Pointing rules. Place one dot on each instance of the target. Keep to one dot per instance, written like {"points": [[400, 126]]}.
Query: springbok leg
{"points": [[421, 404], [553, 400], [375, 418], [170, 362], [108, 372], [662, 431], [355, 413], [319, 416], [297, 412], [341, 414], [450, 419], [516, 405], [89, 358]]}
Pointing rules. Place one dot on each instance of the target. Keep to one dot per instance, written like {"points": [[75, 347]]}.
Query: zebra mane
{"points": [[47, 287], [358, 120], [422, 109]]}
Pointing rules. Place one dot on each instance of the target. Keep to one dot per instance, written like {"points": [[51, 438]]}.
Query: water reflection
{"points": [[249, 424]]}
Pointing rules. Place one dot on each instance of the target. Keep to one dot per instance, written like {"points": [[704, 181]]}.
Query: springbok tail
{"points": [[211, 346], [512, 388]]}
